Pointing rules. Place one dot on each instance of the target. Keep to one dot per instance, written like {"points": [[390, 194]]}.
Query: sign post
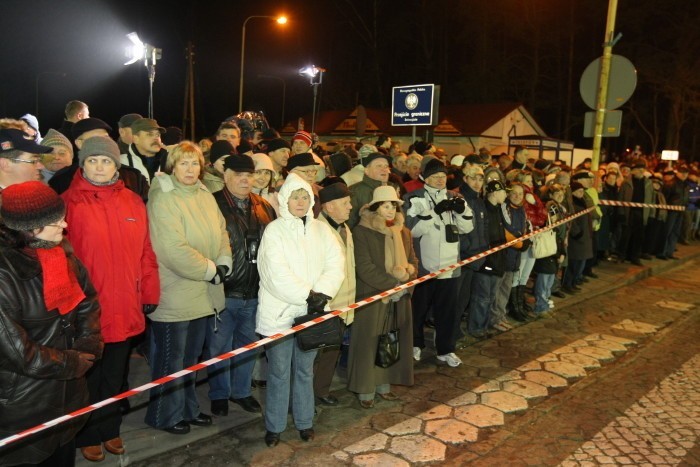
{"points": [[413, 105]]}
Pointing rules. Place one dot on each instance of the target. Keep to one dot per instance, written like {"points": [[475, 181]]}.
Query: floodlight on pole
{"points": [[139, 50], [315, 75], [278, 20]]}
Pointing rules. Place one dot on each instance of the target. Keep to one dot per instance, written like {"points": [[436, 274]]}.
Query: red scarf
{"points": [[61, 288]]}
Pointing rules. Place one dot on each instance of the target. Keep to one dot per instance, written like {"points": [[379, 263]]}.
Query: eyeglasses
{"points": [[33, 161], [476, 177], [58, 224]]}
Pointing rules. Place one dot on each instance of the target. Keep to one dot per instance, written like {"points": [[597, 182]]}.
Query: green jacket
{"points": [[189, 238]]}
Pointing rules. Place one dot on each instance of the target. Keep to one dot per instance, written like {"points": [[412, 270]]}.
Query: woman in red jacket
{"points": [[108, 228], [536, 213]]}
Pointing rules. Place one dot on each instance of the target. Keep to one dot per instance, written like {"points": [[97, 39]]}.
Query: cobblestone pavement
{"points": [[610, 378]]}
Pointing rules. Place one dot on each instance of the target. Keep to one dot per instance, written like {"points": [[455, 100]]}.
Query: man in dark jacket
{"points": [[488, 220], [676, 192], [246, 215]]}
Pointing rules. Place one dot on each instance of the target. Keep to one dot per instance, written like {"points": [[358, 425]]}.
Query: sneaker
{"points": [[451, 359], [550, 303], [500, 327], [416, 353]]}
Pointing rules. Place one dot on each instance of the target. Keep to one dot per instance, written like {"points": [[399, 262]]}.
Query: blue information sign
{"points": [[412, 105]]}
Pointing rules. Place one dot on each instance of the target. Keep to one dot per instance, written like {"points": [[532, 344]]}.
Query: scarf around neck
{"points": [[61, 288]]}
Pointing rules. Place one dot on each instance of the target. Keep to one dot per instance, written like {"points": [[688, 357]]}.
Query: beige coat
{"points": [[189, 237], [346, 294]]}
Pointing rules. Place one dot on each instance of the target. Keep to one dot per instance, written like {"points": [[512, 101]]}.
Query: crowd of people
{"points": [[185, 250]]}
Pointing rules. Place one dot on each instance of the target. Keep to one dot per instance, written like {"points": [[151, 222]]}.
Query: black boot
{"points": [[515, 309], [526, 308]]}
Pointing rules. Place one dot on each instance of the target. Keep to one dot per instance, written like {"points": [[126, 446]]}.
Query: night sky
{"points": [[528, 51]]}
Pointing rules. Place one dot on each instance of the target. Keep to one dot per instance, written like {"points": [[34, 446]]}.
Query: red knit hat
{"points": [[305, 136], [30, 205]]}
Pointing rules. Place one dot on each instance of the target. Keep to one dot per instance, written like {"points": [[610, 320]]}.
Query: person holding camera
{"points": [[246, 216], [436, 218], [301, 266]]}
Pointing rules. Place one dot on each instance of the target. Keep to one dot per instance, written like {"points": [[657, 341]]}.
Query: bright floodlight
{"points": [[282, 20], [311, 71], [137, 51]]}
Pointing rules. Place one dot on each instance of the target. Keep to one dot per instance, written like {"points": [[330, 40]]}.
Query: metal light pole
{"points": [[284, 93], [36, 88], [315, 75], [279, 20]]}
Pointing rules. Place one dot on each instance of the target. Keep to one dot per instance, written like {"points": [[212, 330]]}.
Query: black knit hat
{"points": [[432, 167], [239, 163], [31, 205], [88, 124], [301, 160], [341, 162], [220, 149], [277, 143], [333, 188]]}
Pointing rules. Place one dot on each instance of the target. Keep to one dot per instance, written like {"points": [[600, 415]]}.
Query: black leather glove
{"points": [[221, 272], [148, 309], [458, 205], [442, 206], [316, 302], [526, 244]]}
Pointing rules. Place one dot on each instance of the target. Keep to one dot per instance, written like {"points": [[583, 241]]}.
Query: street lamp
{"points": [[315, 75], [149, 54], [36, 87], [284, 93], [279, 20]]}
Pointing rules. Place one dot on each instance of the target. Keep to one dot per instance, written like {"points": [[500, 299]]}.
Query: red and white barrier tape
{"points": [[672, 207], [267, 340]]}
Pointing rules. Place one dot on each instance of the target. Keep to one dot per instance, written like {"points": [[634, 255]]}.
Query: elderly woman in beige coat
{"points": [[384, 258], [189, 237]]}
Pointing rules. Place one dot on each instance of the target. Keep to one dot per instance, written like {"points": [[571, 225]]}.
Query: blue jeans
{"points": [[527, 262], [482, 296], [543, 289], [234, 329], [674, 222], [177, 345], [289, 366]]}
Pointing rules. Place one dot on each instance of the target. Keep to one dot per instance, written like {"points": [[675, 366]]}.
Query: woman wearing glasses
{"points": [[49, 320], [109, 231], [306, 167]]}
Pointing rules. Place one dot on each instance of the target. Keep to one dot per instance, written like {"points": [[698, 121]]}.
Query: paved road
{"points": [[612, 379]]}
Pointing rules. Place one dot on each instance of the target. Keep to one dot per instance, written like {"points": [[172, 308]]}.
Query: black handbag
{"points": [[328, 333], [388, 345]]}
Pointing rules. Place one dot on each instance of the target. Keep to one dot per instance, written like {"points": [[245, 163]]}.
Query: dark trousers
{"points": [[592, 262], [105, 380], [324, 369], [673, 232], [636, 234], [465, 290], [441, 295], [63, 456], [653, 234]]}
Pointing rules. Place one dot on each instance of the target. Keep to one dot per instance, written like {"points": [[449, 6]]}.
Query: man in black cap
{"points": [[246, 216], [636, 189], [213, 177], [278, 149], [147, 146], [20, 159], [436, 218], [125, 135], [334, 197], [377, 169]]}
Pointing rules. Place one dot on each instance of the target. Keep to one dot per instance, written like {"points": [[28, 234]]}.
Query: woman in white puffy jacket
{"points": [[301, 266]]}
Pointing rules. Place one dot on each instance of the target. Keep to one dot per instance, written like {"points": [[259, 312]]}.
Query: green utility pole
{"points": [[603, 84]]}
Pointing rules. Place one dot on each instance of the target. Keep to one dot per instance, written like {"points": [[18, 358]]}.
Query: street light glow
{"points": [[137, 51], [282, 20]]}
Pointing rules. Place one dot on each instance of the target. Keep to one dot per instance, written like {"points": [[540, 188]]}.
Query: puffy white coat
{"points": [[295, 257]]}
